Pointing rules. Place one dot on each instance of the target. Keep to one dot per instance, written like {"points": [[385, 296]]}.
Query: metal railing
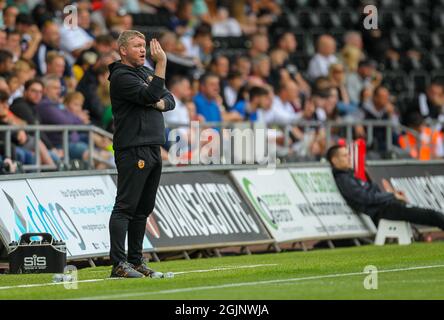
{"points": [[306, 126], [347, 126], [65, 130]]}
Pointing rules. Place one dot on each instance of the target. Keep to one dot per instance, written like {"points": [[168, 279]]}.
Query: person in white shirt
{"points": [[179, 118], [285, 108], [320, 63]]}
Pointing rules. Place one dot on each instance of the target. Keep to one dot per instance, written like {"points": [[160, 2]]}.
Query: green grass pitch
{"points": [[405, 272]]}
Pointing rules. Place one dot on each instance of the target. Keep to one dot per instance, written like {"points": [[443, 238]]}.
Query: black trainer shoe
{"points": [[146, 271], [125, 270]]}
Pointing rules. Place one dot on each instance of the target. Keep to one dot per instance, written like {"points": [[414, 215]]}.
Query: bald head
{"points": [[326, 45]]}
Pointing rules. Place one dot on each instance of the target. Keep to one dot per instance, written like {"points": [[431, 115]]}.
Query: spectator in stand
{"points": [[182, 22], [180, 118], [426, 144], [23, 71], [30, 36], [107, 16], [350, 57], [220, 65], [280, 63], [232, 89], [88, 86], [74, 39], [431, 103], [259, 45], [200, 45], [286, 106], [242, 64], [261, 69], [178, 62], [353, 39], [337, 80], [254, 107], [25, 108], [366, 77], [10, 14], [6, 63], [50, 42], [55, 65], [52, 111], [84, 20], [380, 107], [209, 102], [325, 56], [13, 44], [224, 25], [73, 103], [23, 145]]}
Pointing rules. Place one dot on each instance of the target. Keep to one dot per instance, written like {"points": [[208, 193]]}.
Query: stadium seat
{"points": [[231, 42], [148, 19], [392, 4], [391, 19], [416, 18], [420, 79], [438, 18], [400, 230], [349, 19], [438, 76], [309, 19], [396, 81]]}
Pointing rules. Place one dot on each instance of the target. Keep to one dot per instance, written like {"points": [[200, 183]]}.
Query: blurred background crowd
{"points": [[295, 65]]}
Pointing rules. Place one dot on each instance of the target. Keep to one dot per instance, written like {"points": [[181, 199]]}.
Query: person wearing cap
{"points": [[365, 77]]}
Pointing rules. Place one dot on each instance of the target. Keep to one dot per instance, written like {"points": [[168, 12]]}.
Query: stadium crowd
{"points": [[274, 62]]}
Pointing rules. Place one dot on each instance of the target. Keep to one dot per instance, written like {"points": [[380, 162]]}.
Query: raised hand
{"points": [[157, 53]]}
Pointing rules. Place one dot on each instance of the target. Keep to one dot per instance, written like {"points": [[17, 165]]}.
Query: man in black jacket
{"points": [[366, 197], [138, 98]]}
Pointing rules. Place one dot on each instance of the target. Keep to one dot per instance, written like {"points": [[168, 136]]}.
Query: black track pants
{"points": [[397, 210], [138, 176]]}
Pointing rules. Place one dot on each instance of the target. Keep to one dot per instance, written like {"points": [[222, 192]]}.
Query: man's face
{"points": [[381, 98], [51, 35], [435, 93], [222, 67], [10, 16], [135, 52], [183, 90], [7, 66], [53, 90], [34, 93], [57, 67], [342, 159], [211, 88], [261, 43], [289, 43], [75, 106], [264, 102]]}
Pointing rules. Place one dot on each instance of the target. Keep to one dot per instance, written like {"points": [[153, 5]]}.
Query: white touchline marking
{"points": [[244, 284], [105, 279]]}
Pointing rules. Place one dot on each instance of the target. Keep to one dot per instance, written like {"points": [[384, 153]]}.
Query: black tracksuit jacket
{"points": [[133, 95], [365, 197]]}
